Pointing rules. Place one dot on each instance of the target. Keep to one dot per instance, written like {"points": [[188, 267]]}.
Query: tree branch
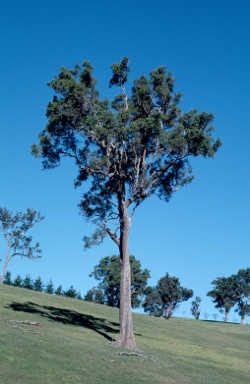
{"points": [[113, 236]]}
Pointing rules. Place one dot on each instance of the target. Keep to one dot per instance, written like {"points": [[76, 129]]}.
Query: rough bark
{"points": [[126, 336]]}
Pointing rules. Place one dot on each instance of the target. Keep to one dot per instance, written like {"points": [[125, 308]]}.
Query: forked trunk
{"points": [[126, 336]]}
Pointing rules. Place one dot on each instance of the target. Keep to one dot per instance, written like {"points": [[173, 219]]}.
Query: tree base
{"points": [[126, 344]]}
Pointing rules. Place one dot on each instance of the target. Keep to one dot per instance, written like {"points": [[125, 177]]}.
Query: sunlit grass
{"points": [[73, 345]]}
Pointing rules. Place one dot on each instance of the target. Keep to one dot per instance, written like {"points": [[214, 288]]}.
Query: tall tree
{"points": [[129, 149], [15, 228], [107, 271], [224, 294], [165, 298]]}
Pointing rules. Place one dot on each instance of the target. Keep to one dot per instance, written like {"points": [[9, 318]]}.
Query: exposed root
{"points": [[24, 329], [16, 322], [130, 354]]}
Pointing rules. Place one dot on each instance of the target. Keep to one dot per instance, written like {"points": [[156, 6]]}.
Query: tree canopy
{"points": [[224, 294], [107, 271], [243, 293], [164, 299], [15, 228], [130, 148]]}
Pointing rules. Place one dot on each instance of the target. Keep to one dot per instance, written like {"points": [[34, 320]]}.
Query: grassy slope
{"points": [[73, 346]]}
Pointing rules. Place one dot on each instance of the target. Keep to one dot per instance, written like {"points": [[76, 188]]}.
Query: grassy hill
{"points": [[71, 345]]}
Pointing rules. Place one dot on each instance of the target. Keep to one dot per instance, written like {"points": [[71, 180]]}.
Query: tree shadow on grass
{"points": [[69, 317]]}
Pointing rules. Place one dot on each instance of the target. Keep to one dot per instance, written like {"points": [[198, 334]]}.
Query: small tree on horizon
{"points": [[38, 285], [243, 294], [49, 288], [129, 149], [15, 228], [59, 291], [224, 294], [165, 298], [18, 281], [70, 292], [28, 282], [195, 307], [7, 278]]}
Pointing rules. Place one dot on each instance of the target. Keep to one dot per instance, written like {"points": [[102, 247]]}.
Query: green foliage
{"points": [[195, 307], [164, 299], [108, 273], [71, 292], [243, 292], [38, 284], [130, 147], [49, 288], [18, 281], [224, 293], [28, 283], [95, 294], [15, 228], [152, 302], [7, 278], [58, 291]]}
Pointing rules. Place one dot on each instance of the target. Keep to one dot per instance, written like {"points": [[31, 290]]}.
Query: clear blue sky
{"points": [[204, 231]]}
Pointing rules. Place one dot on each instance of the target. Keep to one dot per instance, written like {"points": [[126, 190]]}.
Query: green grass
{"points": [[72, 345]]}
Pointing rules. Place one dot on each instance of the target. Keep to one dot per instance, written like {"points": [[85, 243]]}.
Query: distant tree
{"points": [[224, 294], [79, 296], [28, 283], [7, 278], [206, 315], [15, 228], [215, 316], [107, 271], [18, 281], [49, 288], [164, 299], [59, 291], [95, 294], [71, 292], [130, 149], [243, 294], [195, 307], [38, 284], [152, 302]]}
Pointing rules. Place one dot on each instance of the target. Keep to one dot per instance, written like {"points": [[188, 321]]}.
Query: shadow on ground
{"points": [[66, 316]]}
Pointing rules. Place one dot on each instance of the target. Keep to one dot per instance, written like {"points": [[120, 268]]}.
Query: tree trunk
{"points": [[4, 269], [226, 316], [242, 320], [126, 336]]}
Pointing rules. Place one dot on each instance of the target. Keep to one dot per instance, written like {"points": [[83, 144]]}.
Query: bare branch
{"points": [[113, 236]]}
